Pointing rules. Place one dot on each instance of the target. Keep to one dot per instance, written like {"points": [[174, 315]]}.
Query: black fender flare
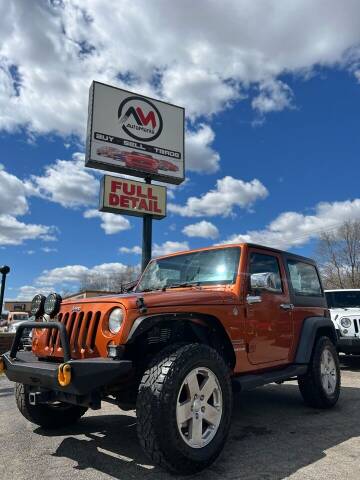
{"points": [[312, 327], [197, 321]]}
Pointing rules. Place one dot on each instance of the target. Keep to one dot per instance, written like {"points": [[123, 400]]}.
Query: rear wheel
{"points": [[48, 416], [184, 408], [320, 387]]}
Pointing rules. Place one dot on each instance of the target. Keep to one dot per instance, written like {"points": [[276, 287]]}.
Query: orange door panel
{"points": [[270, 329]]}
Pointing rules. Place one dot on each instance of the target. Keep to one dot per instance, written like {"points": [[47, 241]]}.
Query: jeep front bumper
{"points": [[349, 345], [87, 375]]}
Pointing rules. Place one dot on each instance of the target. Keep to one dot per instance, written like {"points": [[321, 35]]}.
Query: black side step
{"points": [[248, 382]]}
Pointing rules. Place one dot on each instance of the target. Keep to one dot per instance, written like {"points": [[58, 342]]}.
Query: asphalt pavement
{"points": [[273, 437]]}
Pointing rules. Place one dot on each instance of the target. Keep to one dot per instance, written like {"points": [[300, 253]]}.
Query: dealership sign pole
{"points": [[146, 237], [139, 136], [4, 270]]}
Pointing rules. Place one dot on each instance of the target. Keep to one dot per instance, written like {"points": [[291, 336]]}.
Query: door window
{"points": [[304, 279], [261, 263]]}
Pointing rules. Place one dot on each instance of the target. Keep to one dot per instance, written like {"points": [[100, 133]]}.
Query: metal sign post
{"points": [[147, 237], [4, 270]]}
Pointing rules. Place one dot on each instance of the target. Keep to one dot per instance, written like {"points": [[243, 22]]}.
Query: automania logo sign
{"points": [[140, 119]]}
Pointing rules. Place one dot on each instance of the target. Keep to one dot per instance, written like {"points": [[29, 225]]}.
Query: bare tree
{"points": [[339, 256], [109, 282]]}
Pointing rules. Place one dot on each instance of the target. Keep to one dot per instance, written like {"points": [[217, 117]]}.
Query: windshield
{"points": [[17, 317], [208, 267], [343, 299]]}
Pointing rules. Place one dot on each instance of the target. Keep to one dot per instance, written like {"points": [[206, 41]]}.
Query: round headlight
{"points": [[345, 322], [52, 304], [116, 318], [37, 305]]}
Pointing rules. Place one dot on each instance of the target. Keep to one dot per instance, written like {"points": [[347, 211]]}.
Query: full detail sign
{"points": [[120, 195], [132, 134]]}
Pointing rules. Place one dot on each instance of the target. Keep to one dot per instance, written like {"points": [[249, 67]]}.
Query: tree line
{"points": [[338, 255]]}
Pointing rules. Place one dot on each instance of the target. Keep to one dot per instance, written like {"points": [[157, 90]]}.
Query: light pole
{"points": [[4, 270]]}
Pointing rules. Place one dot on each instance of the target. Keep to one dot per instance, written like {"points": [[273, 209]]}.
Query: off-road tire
{"points": [[310, 385], [156, 408], [46, 416]]}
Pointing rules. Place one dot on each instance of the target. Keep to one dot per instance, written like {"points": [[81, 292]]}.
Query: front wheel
{"points": [[184, 408], [320, 387]]}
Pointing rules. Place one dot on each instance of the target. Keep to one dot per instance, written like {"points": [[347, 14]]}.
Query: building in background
{"points": [[88, 294], [18, 306]]}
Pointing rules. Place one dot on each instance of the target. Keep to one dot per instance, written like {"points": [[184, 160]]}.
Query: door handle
{"points": [[253, 299], [287, 306]]}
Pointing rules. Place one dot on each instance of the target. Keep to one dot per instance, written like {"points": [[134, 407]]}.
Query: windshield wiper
{"points": [[145, 290], [179, 285]]}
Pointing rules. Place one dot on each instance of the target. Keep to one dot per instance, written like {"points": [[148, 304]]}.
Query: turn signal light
{"points": [[2, 365], [64, 374]]}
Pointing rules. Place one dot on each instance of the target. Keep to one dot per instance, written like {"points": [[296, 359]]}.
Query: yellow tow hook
{"points": [[64, 374]]}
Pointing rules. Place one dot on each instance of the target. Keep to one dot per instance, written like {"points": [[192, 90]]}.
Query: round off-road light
{"points": [[116, 318], [345, 322], [37, 305], [52, 304]]}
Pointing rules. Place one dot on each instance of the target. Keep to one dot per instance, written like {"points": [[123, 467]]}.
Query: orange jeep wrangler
{"points": [[196, 325]]}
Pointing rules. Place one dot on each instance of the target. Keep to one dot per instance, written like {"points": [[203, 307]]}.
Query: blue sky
{"points": [[272, 146]]}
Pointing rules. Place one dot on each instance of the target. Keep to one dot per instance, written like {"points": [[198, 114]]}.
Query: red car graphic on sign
{"points": [[137, 160], [141, 161], [110, 152], [168, 166]]}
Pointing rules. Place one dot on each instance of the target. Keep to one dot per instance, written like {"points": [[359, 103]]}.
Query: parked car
{"points": [[26, 337], [168, 166], [344, 305], [3, 321], [17, 316], [141, 161], [197, 325]]}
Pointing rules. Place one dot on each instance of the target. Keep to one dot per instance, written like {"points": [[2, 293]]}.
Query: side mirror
{"points": [[264, 281]]}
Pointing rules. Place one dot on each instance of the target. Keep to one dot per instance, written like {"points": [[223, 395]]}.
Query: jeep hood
{"points": [[183, 297], [336, 313], [168, 298]]}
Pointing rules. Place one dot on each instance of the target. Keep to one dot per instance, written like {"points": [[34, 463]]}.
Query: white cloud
{"points": [[136, 250], [291, 229], [201, 229], [158, 249], [73, 274], [188, 88], [28, 292], [229, 193], [197, 53], [67, 182], [13, 203], [49, 250], [14, 232], [274, 95], [111, 223], [169, 247], [13, 193], [200, 157]]}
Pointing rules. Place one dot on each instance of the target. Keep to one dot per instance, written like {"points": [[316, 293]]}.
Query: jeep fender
{"points": [[313, 327], [203, 326]]}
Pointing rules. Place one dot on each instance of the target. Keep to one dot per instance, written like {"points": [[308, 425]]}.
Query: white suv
{"points": [[344, 308]]}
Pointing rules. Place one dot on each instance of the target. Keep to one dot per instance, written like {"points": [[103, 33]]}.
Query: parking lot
{"points": [[273, 436]]}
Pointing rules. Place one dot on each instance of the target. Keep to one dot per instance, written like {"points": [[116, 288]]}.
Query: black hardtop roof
{"points": [[282, 252]]}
